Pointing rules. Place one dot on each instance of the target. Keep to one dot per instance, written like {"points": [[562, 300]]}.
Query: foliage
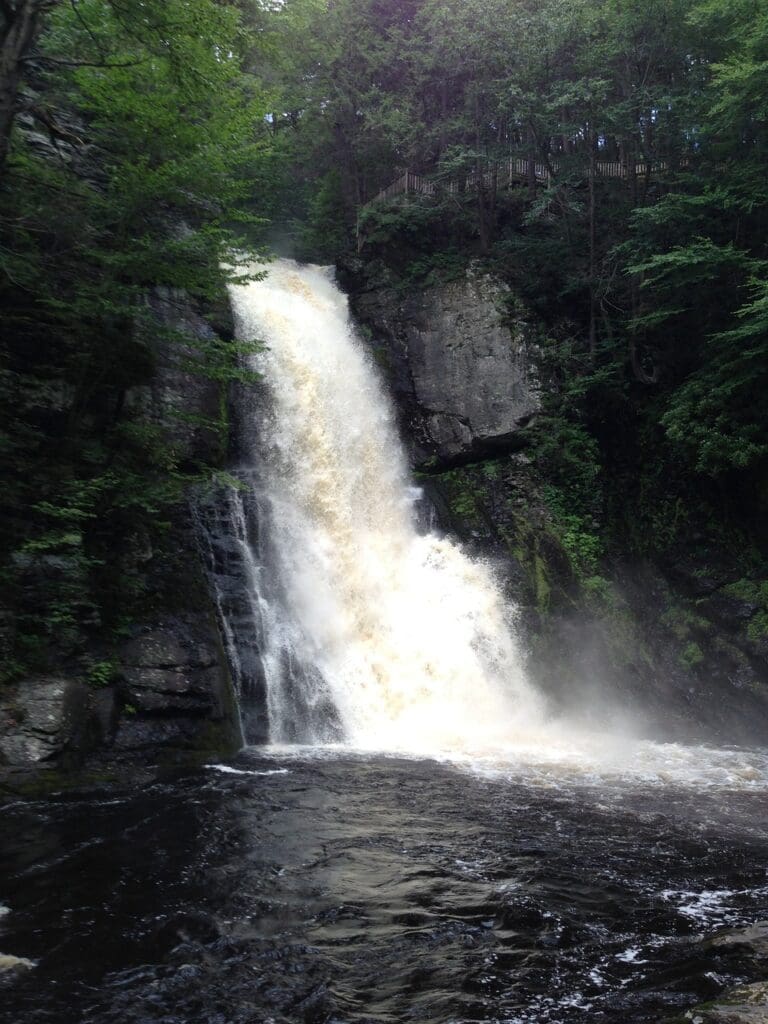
{"points": [[754, 592], [128, 187], [599, 590], [465, 496], [568, 456], [692, 655], [653, 288], [578, 536], [102, 673]]}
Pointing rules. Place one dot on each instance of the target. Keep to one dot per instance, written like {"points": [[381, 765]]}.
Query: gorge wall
{"points": [[160, 690], [466, 382], [669, 645]]}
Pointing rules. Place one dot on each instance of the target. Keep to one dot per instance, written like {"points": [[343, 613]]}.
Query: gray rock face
{"points": [[41, 719], [472, 376], [746, 950], [172, 700], [174, 687], [668, 641], [465, 378], [747, 1004], [752, 940], [169, 647]]}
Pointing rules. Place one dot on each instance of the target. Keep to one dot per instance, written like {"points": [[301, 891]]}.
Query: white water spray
{"points": [[411, 638]]}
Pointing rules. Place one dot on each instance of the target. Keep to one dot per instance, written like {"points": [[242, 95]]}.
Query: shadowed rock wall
{"points": [[165, 693]]}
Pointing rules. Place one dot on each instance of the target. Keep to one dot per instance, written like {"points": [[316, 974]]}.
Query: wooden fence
{"points": [[506, 173]]}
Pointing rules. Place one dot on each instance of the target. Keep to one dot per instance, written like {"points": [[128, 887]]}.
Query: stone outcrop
{"points": [[751, 941], [745, 1004], [624, 641], [746, 952], [175, 689], [461, 364], [170, 697], [181, 398], [43, 720]]}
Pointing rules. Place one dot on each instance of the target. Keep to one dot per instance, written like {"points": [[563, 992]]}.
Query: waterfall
{"points": [[370, 631]]}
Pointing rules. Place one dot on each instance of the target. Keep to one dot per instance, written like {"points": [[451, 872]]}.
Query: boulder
{"points": [[462, 367], [175, 691], [746, 1004], [41, 719], [472, 375], [752, 940]]}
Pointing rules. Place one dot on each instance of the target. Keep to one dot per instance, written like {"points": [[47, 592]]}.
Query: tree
{"points": [[20, 25], [146, 170]]}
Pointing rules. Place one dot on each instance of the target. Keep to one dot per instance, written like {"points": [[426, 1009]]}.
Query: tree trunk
{"points": [[531, 164], [592, 246], [638, 370], [20, 24], [480, 185]]}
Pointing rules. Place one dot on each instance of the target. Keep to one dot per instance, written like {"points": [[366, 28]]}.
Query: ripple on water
{"points": [[311, 887]]}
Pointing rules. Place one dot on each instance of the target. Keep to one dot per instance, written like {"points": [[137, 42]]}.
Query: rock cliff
{"points": [[164, 693], [461, 366]]}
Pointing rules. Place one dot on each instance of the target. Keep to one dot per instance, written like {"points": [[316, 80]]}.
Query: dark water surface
{"points": [[341, 889]]}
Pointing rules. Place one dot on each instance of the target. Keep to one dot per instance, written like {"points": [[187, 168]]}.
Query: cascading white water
{"points": [[368, 630], [410, 637]]}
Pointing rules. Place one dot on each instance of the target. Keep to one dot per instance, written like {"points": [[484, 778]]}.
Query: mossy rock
{"points": [[746, 1004]]}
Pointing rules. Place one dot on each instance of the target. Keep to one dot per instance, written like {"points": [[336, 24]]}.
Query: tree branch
{"points": [[86, 26], [56, 131], [85, 63]]}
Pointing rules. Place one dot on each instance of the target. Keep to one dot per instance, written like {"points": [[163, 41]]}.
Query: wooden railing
{"points": [[507, 173]]}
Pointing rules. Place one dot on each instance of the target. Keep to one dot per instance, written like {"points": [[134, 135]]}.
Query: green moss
{"points": [[758, 626], [598, 590], [491, 470], [524, 546], [464, 505], [229, 737], [682, 621], [39, 783], [542, 587], [755, 591], [381, 356], [576, 533], [692, 655], [464, 495]]}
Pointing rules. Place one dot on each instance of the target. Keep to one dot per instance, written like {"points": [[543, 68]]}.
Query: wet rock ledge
{"points": [[169, 701]]}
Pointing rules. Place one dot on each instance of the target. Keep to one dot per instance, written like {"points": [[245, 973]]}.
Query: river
{"points": [[331, 886]]}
